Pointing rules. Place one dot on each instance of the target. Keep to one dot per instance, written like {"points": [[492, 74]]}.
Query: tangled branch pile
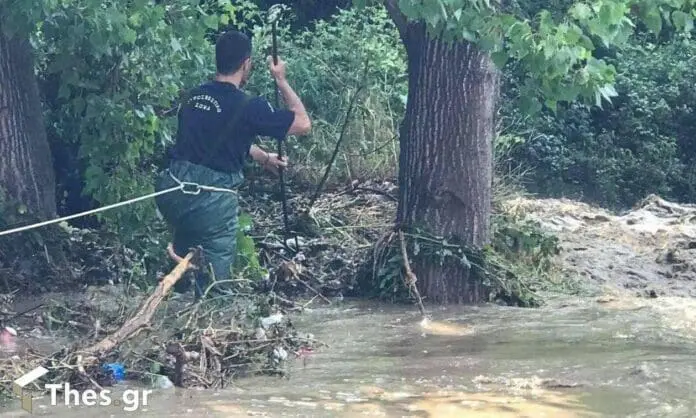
{"points": [[335, 235], [203, 344]]}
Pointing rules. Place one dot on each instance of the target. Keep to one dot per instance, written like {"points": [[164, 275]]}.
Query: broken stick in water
{"points": [[432, 327], [410, 276], [142, 318]]}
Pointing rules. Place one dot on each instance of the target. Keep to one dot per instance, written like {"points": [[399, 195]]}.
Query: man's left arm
{"points": [[265, 120], [267, 160]]}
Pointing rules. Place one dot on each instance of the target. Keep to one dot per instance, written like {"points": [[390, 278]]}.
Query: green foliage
{"points": [[524, 243], [110, 74], [641, 144], [109, 71], [325, 66], [556, 54], [307, 11], [247, 261]]}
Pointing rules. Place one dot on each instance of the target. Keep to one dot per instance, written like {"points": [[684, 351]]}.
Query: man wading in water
{"points": [[217, 125]]}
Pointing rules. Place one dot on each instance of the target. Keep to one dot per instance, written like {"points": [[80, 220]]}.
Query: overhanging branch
{"points": [[398, 17]]}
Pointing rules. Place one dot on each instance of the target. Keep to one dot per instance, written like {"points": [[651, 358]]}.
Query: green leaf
{"points": [[581, 11], [607, 91], [468, 36], [129, 35], [245, 221], [605, 15], [653, 21], [443, 10], [211, 21], [410, 8], [500, 58], [175, 44], [598, 99], [682, 21], [64, 91], [487, 43], [135, 20], [529, 104], [586, 42]]}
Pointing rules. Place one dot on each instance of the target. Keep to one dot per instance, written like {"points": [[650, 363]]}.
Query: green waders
{"points": [[207, 219]]}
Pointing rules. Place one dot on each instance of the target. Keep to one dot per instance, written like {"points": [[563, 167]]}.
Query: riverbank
{"points": [[647, 252]]}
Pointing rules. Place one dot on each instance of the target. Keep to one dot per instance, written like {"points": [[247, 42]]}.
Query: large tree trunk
{"points": [[446, 161], [26, 169]]}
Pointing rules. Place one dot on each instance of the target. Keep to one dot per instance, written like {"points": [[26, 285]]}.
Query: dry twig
{"points": [[410, 276], [144, 315]]}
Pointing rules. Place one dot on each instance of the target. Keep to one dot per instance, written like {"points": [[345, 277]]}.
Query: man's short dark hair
{"points": [[231, 50]]}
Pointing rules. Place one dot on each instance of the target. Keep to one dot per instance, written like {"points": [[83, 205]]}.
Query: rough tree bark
{"points": [[26, 169], [446, 153]]}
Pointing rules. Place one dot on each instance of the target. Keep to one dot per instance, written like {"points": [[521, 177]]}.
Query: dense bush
{"points": [[642, 143], [108, 74], [326, 65]]}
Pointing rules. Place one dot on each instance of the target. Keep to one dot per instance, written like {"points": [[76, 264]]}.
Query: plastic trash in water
{"points": [[163, 382], [280, 354], [8, 337], [269, 321], [117, 370]]}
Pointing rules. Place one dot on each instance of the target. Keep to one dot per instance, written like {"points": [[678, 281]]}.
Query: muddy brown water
{"points": [[619, 356], [610, 355]]}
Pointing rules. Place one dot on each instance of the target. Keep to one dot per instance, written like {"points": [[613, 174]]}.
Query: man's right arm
{"points": [[301, 124]]}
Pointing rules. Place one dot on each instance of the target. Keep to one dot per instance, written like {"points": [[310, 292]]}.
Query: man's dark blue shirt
{"points": [[206, 114]]}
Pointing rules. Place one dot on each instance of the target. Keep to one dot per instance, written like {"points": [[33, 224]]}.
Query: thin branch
{"points": [[410, 276], [376, 191], [340, 139], [400, 19]]}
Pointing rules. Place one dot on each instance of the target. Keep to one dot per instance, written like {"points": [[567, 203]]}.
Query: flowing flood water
{"points": [[628, 352], [622, 357]]}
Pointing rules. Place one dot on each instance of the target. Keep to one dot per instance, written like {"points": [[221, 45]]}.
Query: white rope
{"points": [[89, 212], [198, 187], [182, 185]]}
